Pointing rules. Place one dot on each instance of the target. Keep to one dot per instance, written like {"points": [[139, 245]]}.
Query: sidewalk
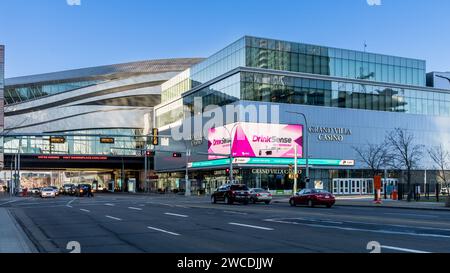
{"points": [[12, 237], [365, 201]]}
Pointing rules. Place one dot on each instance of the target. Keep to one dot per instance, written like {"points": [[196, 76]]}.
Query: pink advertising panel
{"points": [[256, 140]]}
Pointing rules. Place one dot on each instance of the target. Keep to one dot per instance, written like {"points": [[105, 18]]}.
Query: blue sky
{"points": [[49, 35]]}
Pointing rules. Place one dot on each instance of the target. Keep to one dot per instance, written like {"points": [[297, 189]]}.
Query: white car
{"points": [[48, 193], [444, 191]]}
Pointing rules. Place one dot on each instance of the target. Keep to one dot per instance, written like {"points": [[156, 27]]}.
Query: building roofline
{"points": [[138, 67]]}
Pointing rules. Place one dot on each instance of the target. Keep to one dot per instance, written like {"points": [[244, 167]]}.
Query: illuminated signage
{"points": [[107, 140], [55, 157], [57, 140], [271, 162], [256, 140]]}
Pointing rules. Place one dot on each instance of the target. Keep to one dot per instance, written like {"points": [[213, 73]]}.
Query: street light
{"points": [[307, 143], [231, 150]]}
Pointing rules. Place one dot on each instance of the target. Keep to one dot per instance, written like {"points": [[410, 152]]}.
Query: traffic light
{"points": [[155, 141], [227, 171], [176, 155], [150, 153]]}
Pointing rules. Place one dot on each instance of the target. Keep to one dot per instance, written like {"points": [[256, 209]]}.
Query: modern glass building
{"points": [[2, 84], [365, 95], [86, 124]]}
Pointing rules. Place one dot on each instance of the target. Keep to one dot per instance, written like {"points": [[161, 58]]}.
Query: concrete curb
{"points": [[23, 243]]}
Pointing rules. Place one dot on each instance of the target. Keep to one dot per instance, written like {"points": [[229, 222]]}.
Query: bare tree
{"points": [[406, 154], [441, 159], [374, 156]]}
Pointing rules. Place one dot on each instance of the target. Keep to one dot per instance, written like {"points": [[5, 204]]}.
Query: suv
{"points": [[68, 189], [82, 190], [231, 193]]}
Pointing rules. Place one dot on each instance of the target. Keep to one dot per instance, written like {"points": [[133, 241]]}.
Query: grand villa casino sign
{"points": [[330, 134]]}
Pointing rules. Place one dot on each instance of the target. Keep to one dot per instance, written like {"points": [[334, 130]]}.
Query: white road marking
{"points": [[416, 215], [235, 212], [133, 208], [382, 231], [9, 202], [114, 218], [250, 226], [85, 210], [405, 249], [177, 215], [164, 231], [69, 204], [109, 205]]}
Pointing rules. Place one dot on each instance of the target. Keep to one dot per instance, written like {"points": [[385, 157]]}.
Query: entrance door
{"points": [[346, 189]]}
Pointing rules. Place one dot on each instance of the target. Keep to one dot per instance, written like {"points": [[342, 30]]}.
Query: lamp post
{"points": [[231, 150], [307, 142]]}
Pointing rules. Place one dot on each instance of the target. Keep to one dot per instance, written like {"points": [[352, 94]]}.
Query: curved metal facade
{"points": [[107, 97]]}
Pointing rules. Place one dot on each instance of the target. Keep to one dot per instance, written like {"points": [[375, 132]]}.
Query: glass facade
{"points": [[19, 94], [367, 81], [127, 142], [297, 90], [220, 93], [225, 60], [298, 57], [312, 59]]}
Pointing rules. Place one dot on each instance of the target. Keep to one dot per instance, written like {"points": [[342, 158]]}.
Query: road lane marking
{"points": [[9, 202], [133, 208], [69, 204], [235, 212], [114, 218], [85, 210], [176, 215], [382, 231], [405, 249], [250, 226], [416, 215], [164, 231], [109, 205]]}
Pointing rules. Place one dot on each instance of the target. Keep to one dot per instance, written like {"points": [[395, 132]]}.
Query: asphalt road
{"points": [[161, 224]]}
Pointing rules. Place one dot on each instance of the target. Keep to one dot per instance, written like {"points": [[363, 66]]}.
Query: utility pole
{"points": [[306, 132], [188, 182], [295, 168]]}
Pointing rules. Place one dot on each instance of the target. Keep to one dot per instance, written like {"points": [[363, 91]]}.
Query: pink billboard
{"points": [[256, 140]]}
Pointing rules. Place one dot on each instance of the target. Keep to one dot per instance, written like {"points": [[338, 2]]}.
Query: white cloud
{"points": [[73, 2], [374, 2]]}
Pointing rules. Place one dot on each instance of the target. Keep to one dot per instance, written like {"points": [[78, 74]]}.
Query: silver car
{"points": [[258, 195], [48, 193]]}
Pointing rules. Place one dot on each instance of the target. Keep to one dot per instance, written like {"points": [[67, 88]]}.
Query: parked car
{"points": [[258, 195], [48, 193], [445, 191], [231, 193], [312, 197]]}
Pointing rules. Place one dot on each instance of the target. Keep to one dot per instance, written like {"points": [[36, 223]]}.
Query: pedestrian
{"points": [[89, 192]]}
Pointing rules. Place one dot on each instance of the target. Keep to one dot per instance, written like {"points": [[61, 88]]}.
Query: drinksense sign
{"points": [[330, 134]]}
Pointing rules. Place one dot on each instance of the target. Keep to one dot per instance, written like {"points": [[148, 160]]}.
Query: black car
{"points": [[83, 190], [231, 193], [69, 189]]}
